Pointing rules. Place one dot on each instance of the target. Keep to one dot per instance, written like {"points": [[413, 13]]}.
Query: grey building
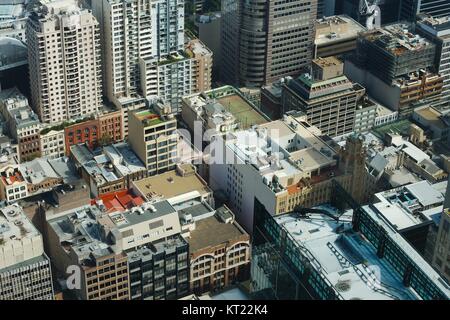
{"points": [[266, 40], [437, 30], [25, 272], [409, 9], [327, 97]]}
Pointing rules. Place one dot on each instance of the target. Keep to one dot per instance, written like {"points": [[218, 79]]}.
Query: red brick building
{"points": [[106, 129], [84, 132]]}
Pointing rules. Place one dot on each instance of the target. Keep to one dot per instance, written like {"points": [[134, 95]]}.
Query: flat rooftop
{"points": [[346, 259], [171, 184], [433, 117], [336, 29], [211, 231], [245, 114], [15, 227]]}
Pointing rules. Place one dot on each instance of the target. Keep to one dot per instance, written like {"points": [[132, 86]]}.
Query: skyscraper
{"points": [[437, 8], [266, 40], [142, 39], [64, 61], [437, 30]]}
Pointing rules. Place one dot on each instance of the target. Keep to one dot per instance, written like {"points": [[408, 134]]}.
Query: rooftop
{"points": [[347, 260], [15, 227], [37, 171], [398, 39], [171, 184], [335, 29], [283, 151], [243, 110], [404, 207], [213, 231]]}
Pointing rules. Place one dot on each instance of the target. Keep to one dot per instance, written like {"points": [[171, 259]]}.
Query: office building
{"points": [[437, 30], [284, 164], [327, 97], [389, 10], [442, 249], [329, 254], [25, 272], [413, 211], [181, 184], [109, 169], [220, 110], [103, 271], [141, 249], [64, 60], [209, 33], [409, 9], [22, 123], [397, 67], [219, 249], [263, 41], [154, 139], [335, 36]]}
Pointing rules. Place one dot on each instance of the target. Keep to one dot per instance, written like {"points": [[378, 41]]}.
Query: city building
{"points": [[52, 143], [170, 77], [219, 111], [219, 249], [103, 129], [154, 139], [327, 254], [327, 97], [181, 184], [336, 36], [13, 20], [413, 211], [25, 271], [409, 9], [442, 249], [260, 48], [202, 65], [143, 247], [434, 121], [271, 103], [143, 45], [26, 179], [22, 123], [285, 164], [110, 169], [396, 66], [75, 238], [437, 30], [64, 60], [209, 33]]}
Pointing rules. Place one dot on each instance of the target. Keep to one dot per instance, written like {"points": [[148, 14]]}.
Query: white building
{"points": [[25, 272], [52, 144], [64, 59], [142, 41]]}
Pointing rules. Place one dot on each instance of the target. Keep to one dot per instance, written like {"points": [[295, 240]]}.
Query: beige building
{"points": [[335, 35], [219, 252], [64, 61], [154, 139], [52, 143], [181, 184], [202, 65]]}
